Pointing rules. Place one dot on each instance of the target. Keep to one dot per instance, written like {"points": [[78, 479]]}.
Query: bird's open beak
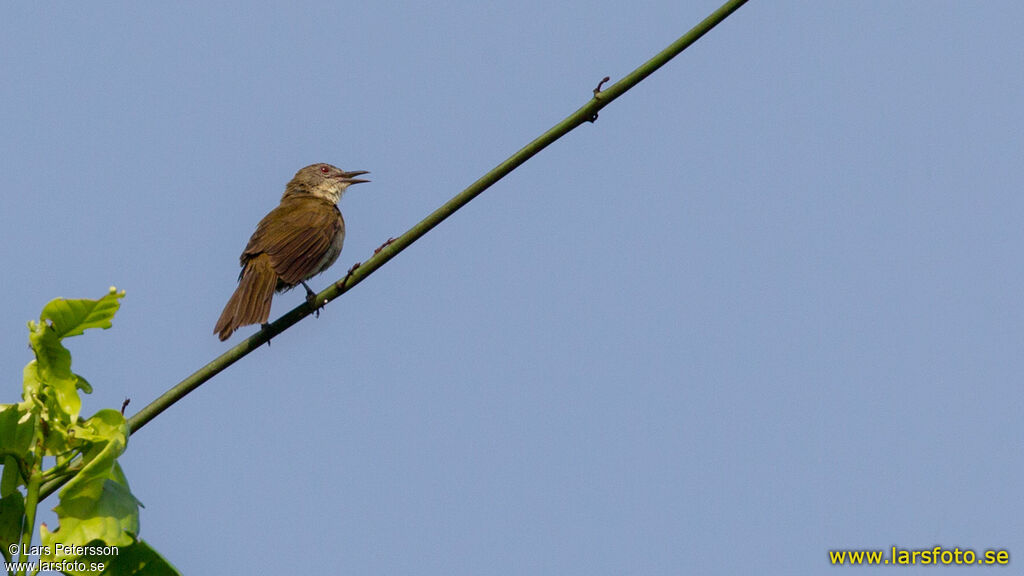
{"points": [[349, 177]]}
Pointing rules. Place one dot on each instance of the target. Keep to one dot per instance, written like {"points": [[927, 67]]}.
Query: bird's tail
{"points": [[250, 304]]}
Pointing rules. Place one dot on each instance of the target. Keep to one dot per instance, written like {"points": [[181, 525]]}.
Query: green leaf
{"points": [[52, 359], [107, 425], [96, 504], [57, 405], [66, 398], [51, 370], [83, 384], [17, 428], [138, 559], [12, 513], [11, 476], [72, 317], [51, 354], [107, 432], [31, 386], [101, 509]]}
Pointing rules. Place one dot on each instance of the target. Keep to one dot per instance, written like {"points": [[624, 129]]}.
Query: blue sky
{"points": [[768, 305]]}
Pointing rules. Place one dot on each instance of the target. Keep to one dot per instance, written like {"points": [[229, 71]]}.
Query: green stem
{"points": [[31, 503], [586, 113]]}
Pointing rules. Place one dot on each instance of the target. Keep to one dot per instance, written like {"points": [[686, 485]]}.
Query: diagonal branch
{"points": [[586, 113]]}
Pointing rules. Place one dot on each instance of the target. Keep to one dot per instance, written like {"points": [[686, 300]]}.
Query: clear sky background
{"points": [[770, 304]]}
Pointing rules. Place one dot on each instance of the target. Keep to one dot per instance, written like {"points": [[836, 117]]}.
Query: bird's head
{"points": [[323, 180]]}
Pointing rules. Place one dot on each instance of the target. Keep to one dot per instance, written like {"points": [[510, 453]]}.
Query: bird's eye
{"points": [[324, 170]]}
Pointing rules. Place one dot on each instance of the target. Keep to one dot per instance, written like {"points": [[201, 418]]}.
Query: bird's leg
{"points": [[311, 298], [310, 295], [264, 326]]}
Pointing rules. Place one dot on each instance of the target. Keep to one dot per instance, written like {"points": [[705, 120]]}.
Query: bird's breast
{"points": [[332, 253]]}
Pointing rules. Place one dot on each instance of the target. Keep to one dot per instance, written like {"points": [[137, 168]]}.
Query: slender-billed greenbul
{"points": [[297, 240]]}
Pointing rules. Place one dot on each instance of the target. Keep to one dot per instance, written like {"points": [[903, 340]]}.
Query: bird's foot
{"points": [[383, 246], [264, 326]]}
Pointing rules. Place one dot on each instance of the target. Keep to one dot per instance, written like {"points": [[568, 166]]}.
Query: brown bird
{"points": [[297, 240]]}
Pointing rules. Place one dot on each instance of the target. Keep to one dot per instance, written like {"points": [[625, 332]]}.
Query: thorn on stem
{"points": [[383, 246], [344, 281], [597, 96]]}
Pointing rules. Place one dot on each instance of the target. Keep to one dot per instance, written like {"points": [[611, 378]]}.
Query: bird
{"points": [[299, 239]]}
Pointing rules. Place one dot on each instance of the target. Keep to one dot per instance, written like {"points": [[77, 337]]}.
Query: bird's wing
{"points": [[296, 235]]}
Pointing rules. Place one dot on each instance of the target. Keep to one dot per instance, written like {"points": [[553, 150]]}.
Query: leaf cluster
{"points": [[97, 512]]}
